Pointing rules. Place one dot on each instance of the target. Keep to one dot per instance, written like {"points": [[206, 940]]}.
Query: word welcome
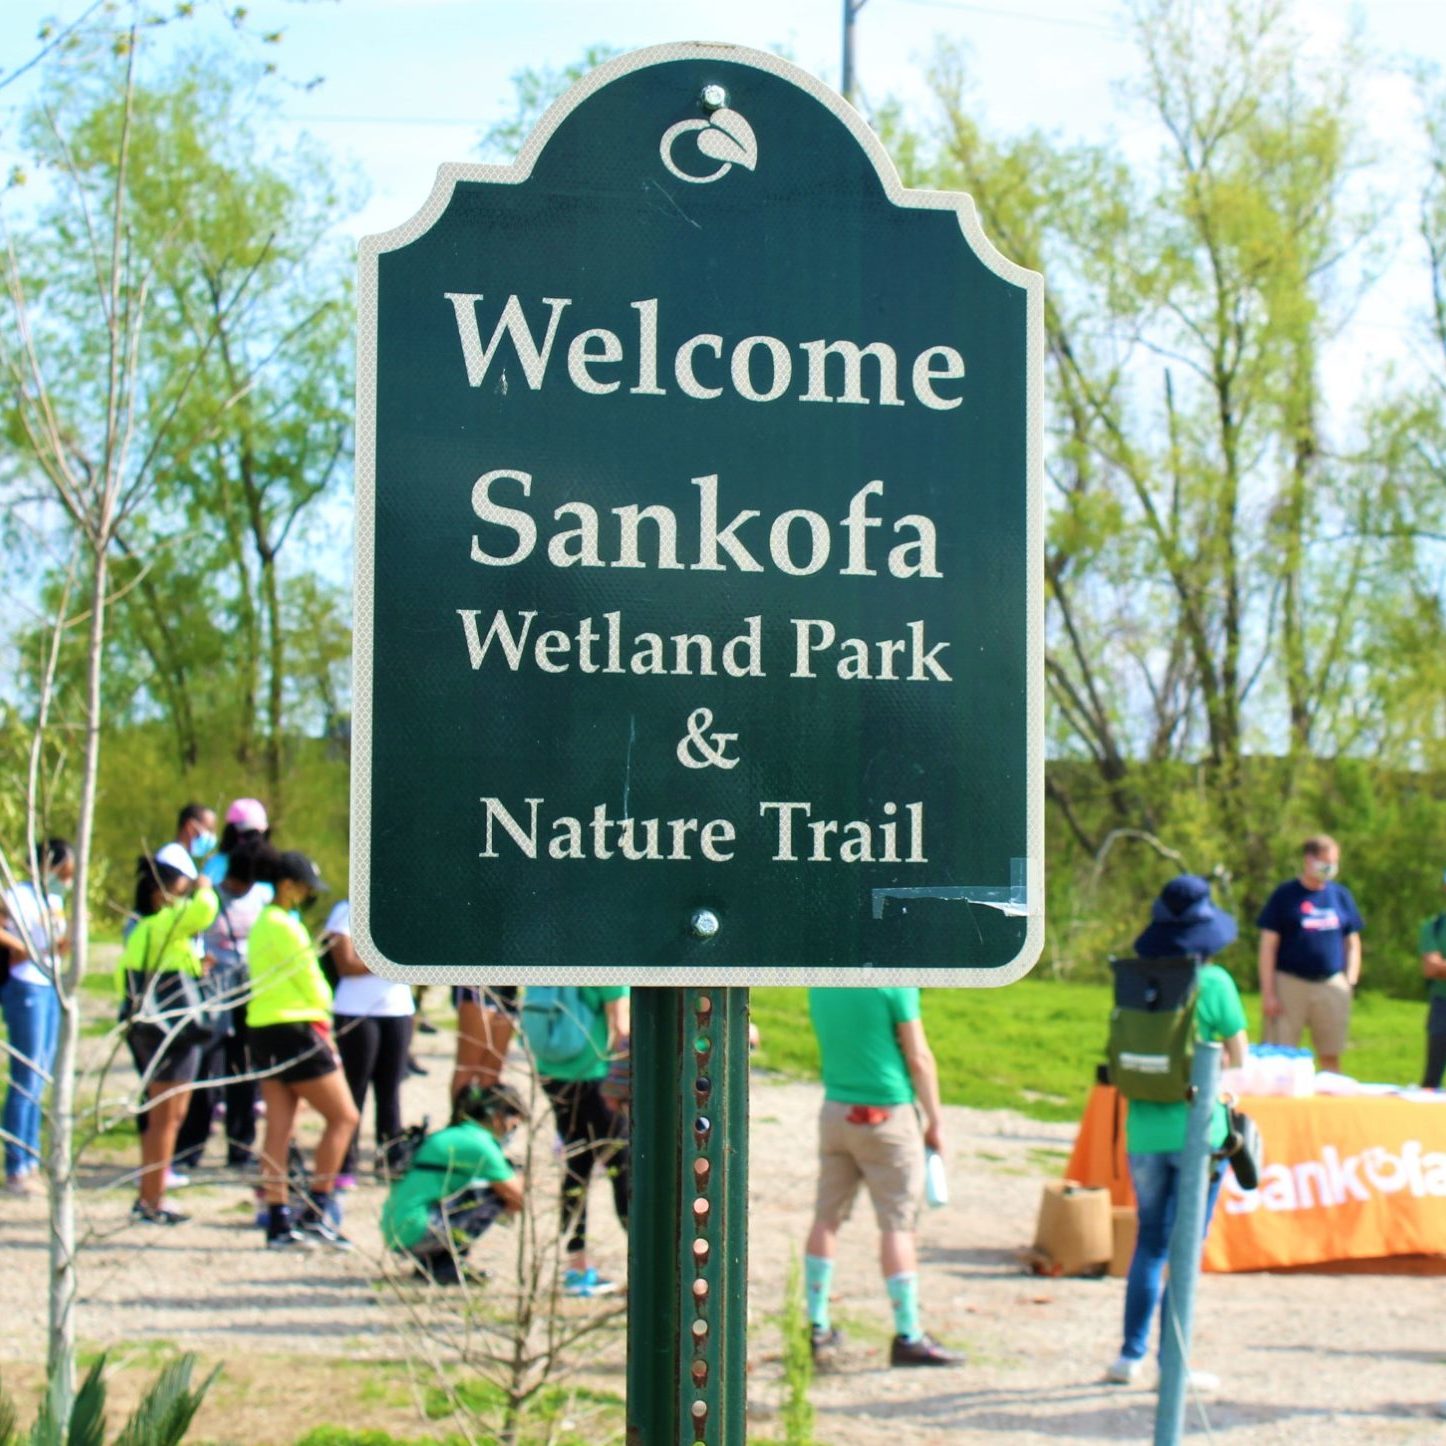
{"points": [[759, 368]]}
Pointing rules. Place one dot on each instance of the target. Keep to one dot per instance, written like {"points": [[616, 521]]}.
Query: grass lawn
{"points": [[1033, 1046]]}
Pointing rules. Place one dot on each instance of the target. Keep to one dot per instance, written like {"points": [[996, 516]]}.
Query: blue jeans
{"points": [[1157, 1192], [32, 1022]]}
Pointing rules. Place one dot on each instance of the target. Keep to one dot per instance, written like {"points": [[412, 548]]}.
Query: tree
{"points": [[95, 397], [1204, 590], [251, 298]]}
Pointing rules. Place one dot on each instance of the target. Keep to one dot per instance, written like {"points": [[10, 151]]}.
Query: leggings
{"points": [[374, 1053], [591, 1134], [227, 1059]]}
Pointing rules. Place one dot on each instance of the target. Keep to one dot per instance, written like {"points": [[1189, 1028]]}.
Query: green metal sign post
{"points": [[688, 1237], [699, 610]]}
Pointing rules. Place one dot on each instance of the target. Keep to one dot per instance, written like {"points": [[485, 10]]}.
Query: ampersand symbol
{"points": [[699, 749]]}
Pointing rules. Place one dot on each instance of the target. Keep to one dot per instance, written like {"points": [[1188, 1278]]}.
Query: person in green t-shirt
{"points": [[1432, 945], [458, 1183], [592, 1133], [1184, 923], [878, 1072]]}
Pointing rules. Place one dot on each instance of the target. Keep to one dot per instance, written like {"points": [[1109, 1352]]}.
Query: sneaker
{"points": [[448, 1271], [1202, 1382], [292, 1239], [143, 1214], [923, 1351], [18, 1185], [425, 1026], [825, 1344], [414, 1068], [177, 1180], [345, 1182], [1123, 1371], [324, 1232], [586, 1284]]}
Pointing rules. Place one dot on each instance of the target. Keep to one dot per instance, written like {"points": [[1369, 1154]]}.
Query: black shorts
{"points": [[502, 998], [168, 1063], [291, 1053]]}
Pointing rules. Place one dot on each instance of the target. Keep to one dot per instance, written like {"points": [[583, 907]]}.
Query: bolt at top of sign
{"points": [[671, 435]]}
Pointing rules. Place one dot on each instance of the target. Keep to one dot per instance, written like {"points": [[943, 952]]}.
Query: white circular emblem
{"points": [[725, 137]]}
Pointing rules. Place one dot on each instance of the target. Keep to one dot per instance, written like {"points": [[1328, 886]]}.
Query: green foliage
{"points": [[243, 392], [797, 1414], [1033, 1046], [351, 1436], [142, 789], [481, 1401], [1390, 823], [162, 1418]]}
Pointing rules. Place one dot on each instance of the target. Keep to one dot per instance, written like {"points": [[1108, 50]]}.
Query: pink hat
{"points": [[248, 814]]}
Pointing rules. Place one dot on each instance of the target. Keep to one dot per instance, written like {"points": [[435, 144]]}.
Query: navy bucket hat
{"points": [[1184, 922]]}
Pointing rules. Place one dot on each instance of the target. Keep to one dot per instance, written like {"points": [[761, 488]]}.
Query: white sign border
{"points": [[698, 973]]}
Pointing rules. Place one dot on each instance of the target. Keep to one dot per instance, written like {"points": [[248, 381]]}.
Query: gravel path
{"points": [[1303, 1357]]}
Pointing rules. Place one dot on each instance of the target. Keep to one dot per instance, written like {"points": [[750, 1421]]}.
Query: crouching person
{"points": [[456, 1185]]}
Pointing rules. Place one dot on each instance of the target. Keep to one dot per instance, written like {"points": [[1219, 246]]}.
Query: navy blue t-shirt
{"points": [[1312, 924]]}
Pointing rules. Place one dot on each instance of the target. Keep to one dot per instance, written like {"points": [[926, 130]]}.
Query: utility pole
{"points": [[850, 9]]}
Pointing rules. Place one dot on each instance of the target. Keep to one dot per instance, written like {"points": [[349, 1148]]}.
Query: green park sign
{"points": [[699, 562]]}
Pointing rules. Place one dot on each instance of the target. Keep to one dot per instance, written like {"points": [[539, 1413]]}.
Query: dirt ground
{"points": [[1310, 1358]]}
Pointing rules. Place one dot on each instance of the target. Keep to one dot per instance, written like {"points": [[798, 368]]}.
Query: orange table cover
{"points": [[1346, 1178]]}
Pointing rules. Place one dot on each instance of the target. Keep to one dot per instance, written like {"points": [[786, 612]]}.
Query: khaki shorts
{"points": [[1324, 1005], [887, 1157]]}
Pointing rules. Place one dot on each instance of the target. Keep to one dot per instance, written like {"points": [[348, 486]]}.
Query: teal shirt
{"points": [[592, 1061], [455, 1159], [1155, 1129], [1433, 940], [858, 1040]]}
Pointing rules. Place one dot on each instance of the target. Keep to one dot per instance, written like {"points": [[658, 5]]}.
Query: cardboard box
{"points": [[1075, 1234], [1126, 1223]]}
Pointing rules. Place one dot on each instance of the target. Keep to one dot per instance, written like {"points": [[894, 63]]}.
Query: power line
{"points": [[383, 120]]}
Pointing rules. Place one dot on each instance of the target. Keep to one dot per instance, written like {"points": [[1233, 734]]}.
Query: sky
{"points": [[409, 84]]}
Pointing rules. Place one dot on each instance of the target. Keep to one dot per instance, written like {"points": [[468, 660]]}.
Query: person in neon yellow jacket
{"points": [[173, 907], [288, 1025]]}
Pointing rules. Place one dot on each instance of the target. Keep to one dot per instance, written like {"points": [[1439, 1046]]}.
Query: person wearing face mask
{"points": [[288, 1022], [32, 938], [173, 906], [1310, 955], [458, 1183], [196, 831]]}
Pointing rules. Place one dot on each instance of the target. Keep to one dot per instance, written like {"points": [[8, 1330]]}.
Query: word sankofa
{"points": [[799, 542], [758, 369]]}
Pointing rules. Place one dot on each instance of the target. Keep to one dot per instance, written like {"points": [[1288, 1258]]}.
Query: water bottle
{"points": [[936, 1182]]}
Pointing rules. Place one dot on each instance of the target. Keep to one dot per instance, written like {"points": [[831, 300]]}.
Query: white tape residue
{"points": [[1012, 900]]}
